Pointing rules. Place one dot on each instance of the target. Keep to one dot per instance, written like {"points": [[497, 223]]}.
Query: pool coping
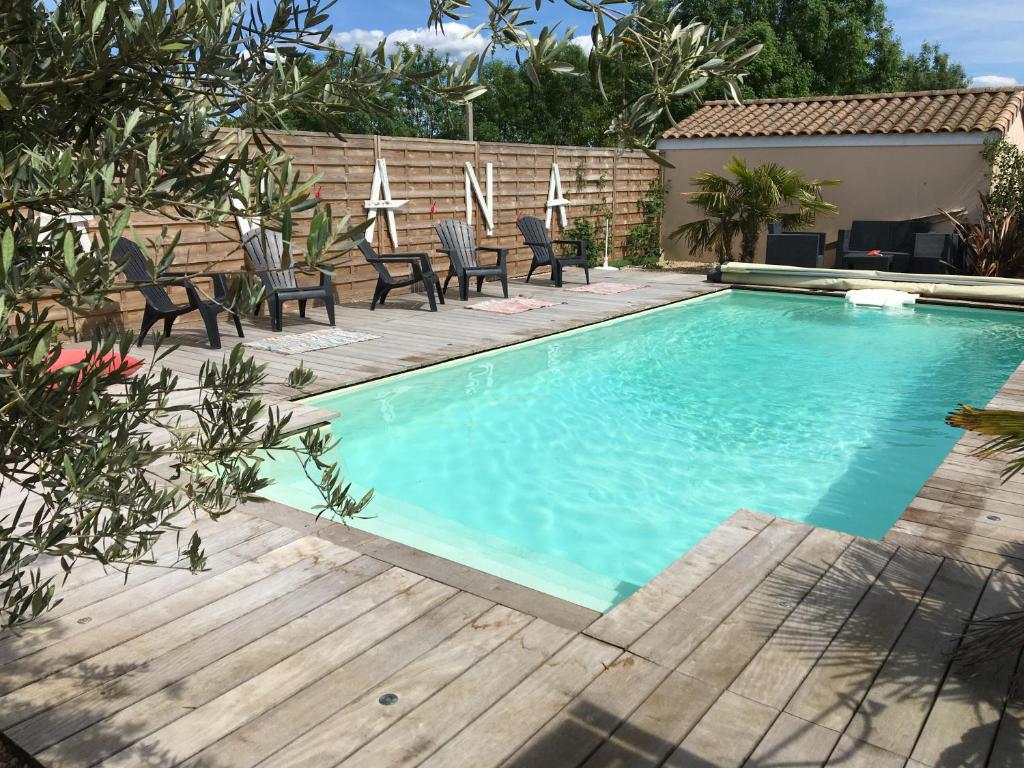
{"points": [[535, 602]]}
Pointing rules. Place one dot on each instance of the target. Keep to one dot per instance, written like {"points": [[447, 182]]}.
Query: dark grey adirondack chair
{"points": [[457, 239], [419, 263], [265, 249], [535, 235], [159, 305]]}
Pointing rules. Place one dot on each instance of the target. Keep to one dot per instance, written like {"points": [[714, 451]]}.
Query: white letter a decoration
{"points": [[556, 198], [380, 200], [486, 202]]}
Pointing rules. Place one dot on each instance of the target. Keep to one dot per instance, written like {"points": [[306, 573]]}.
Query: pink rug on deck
{"points": [[512, 306], [605, 288]]}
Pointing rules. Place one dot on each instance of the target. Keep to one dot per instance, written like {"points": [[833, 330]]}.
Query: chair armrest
{"points": [[502, 253], [843, 243], [568, 242]]}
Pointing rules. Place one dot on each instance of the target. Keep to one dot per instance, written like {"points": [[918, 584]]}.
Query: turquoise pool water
{"points": [[584, 464]]}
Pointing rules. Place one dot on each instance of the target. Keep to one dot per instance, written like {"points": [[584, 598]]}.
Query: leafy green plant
{"points": [[742, 203], [107, 110], [583, 229], [994, 242], [643, 244], [1006, 175]]}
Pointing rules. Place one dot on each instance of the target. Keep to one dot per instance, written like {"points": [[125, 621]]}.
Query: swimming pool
{"points": [[584, 464]]}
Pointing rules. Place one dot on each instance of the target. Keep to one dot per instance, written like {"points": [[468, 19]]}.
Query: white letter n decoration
{"points": [[556, 198], [380, 200], [486, 203]]}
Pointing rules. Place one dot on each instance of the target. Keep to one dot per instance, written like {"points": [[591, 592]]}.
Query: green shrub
{"points": [[1006, 171], [643, 244], [584, 229]]}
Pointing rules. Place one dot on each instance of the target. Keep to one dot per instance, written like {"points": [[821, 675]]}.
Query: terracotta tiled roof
{"points": [[966, 110]]}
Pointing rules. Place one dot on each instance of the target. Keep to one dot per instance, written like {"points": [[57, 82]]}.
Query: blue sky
{"points": [[984, 35]]}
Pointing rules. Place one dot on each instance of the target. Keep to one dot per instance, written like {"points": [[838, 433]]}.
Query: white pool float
{"points": [[880, 297]]}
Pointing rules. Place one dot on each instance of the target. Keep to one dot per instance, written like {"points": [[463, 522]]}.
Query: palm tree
{"points": [[744, 202]]}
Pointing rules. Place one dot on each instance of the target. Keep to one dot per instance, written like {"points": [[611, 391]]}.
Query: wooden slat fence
{"points": [[428, 173]]}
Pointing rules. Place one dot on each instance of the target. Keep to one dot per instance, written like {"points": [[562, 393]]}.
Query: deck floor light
{"points": [[388, 699]]}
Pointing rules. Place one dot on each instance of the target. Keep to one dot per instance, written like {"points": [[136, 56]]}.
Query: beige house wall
{"points": [[892, 179]]}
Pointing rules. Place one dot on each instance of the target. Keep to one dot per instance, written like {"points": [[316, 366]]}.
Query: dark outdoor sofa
{"points": [[894, 239]]}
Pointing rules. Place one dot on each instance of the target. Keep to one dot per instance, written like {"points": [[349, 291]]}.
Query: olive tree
{"points": [[111, 108]]}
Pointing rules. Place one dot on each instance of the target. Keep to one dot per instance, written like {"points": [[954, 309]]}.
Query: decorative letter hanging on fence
{"points": [[486, 202], [556, 199], [377, 202]]}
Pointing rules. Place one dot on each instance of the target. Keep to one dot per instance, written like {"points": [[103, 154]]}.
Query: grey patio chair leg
{"points": [[149, 318], [378, 293], [504, 285], [238, 324], [586, 273], [302, 307], [329, 306], [212, 331], [274, 310], [463, 287], [168, 322], [533, 266], [479, 284], [447, 279], [556, 274]]}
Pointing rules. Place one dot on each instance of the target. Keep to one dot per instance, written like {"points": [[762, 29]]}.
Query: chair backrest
{"points": [[535, 234], [265, 249], [795, 249], [135, 268], [885, 235], [931, 245], [371, 256], [457, 239]]}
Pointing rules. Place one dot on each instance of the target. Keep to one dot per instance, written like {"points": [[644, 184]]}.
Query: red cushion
{"points": [[110, 362]]}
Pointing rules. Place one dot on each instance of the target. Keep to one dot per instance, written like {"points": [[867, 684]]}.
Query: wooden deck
{"points": [[770, 643]]}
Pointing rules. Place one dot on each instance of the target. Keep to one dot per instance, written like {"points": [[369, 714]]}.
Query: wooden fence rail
{"points": [[429, 174]]}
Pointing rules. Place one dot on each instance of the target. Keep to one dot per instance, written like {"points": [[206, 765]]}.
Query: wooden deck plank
{"points": [[45, 670], [319, 701], [201, 726], [347, 730], [655, 728], [792, 741], [626, 622], [93, 705], [895, 708], [961, 726], [422, 732], [684, 627], [726, 735], [850, 753], [1008, 750], [831, 693], [781, 665], [496, 734], [722, 656], [581, 727], [104, 599], [193, 689]]}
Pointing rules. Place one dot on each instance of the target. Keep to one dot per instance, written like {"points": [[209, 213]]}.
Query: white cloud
{"points": [[585, 42], [992, 81], [456, 39]]}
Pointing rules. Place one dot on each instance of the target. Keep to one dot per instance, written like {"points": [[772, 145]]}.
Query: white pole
{"points": [[605, 266]]}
